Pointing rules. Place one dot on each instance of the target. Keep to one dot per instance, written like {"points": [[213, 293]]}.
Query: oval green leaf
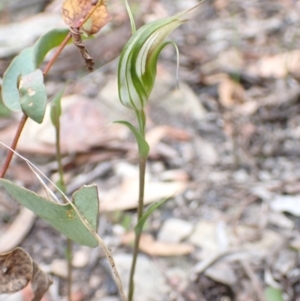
{"points": [[26, 62], [33, 96], [22, 64]]}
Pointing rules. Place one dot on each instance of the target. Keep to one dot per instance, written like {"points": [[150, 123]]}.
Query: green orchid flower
{"points": [[137, 65]]}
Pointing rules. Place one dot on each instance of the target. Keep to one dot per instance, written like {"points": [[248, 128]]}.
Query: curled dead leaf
{"points": [[17, 269], [89, 62], [75, 11]]}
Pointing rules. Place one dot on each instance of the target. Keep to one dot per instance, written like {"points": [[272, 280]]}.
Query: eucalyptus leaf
{"points": [[47, 42], [4, 111], [143, 146], [77, 221], [27, 62], [33, 95], [22, 64]]}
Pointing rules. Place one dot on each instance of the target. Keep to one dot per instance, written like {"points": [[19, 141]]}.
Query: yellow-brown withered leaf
{"points": [[75, 11]]}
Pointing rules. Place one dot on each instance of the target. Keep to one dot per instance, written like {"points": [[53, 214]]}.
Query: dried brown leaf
{"points": [[231, 93], [159, 248], [278, 66], [75, 11], [124, 197], [40, 282], [89, 62], [155, 135], [17, 269]]}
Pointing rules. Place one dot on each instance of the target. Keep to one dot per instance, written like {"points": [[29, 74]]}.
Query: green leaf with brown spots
{"points": [[33, 96]]}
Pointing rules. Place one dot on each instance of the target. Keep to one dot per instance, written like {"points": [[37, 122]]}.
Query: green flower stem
{"points": [[69, 260], [59, 157], [142, 170], [141, 117], [63, 188]]}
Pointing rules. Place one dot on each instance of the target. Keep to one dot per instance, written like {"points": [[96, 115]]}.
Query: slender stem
{"points": [[141, 118], [57, 53], [70, 269], [13, 145], [142, 170], [59, 157], [63, 188]]}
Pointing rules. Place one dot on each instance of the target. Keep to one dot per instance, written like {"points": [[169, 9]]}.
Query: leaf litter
{"points": [[239, 151]]}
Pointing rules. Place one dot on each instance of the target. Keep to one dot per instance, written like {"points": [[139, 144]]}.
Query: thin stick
{"points": [[113, 266], [13, 145]]}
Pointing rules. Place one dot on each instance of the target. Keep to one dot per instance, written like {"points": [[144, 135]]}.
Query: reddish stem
{"points": [[57, 53], [13, 146], [68, 37]]}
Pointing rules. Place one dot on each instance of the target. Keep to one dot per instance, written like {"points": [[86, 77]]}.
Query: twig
{"points": [[13, 145], [255, 283]]}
